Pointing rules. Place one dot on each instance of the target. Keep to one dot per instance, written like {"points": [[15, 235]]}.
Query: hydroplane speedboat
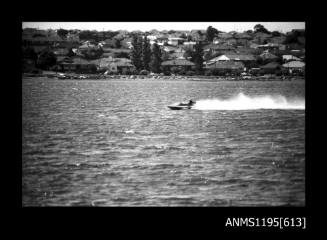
{"points": [[182, 105]]}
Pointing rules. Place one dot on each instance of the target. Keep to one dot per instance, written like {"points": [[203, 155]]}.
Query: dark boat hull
{"points": [[179, 107]]}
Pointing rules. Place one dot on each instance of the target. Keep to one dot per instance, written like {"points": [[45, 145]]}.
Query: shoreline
{"points": [[55, 76]]}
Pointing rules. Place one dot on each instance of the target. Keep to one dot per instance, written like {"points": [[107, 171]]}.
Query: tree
{"points": [[155, 59], [93, 53], [164, 56], [293, 37], [211, 33], [46, 59], [117, 43], [122, 55], [70, 52], [183, 35], [188, 53], [146, 53], [207, 56], [86, 35], [275, 34], [197, 58], [29, 53], [136, 54], [260, 28], [62, 33]]}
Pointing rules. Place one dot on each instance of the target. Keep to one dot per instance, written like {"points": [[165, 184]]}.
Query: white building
{"points": [[290, 58], [175, 41]]}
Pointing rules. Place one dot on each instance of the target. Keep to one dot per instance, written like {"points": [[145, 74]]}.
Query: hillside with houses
{"points": [[207, 52]]}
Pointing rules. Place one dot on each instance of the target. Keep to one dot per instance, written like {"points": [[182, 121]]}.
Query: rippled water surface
{"points": [[115, 143]]}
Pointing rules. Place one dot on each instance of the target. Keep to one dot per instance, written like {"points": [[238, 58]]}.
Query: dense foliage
{"points": [[146, 53], [62, 33], [29, 53], [136, 54], [93, 53], [46, 59], [156, 60], [211, 33], [260, 28], [197, 58]]}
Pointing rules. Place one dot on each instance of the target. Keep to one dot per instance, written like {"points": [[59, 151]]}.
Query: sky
{"points": [[147, 26]]}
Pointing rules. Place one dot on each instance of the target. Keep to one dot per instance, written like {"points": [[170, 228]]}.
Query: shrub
{"points": [[166, 73], [144, 72], [174, 70], [190, 73], [215, 71], [182, 72], [207, 73], [36, 71], [278, 72]]}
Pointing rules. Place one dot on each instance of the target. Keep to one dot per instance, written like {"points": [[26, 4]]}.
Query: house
{"points": [[170, 49], [224, 67], [261, 38], [179, 63], [41, 40], [77, 64], [125, 67], [215, 40], [268, 56], [105, 63], [269, 46], [282, 47], [216, 59], [178, 55], [218, 48], [198, 35], [223, 35], [86, 46], [243, 35], [254, 45], [127, 43], [287, 58], [278, 40], [61, 51], [72, 37], [175, 41], [295, 66], [245, 59], [189, 44], [248, 51], [241, 57], [162, 40], [115, 52], [154, 32], [39, 49], [116, 65], [271, 67], [61, 59], [151, 37]]}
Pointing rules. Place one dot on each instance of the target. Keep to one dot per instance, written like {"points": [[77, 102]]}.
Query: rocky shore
{"points": [[161, 77]]}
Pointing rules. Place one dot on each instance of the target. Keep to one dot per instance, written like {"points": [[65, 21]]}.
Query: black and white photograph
{"points": [[163, 114]]}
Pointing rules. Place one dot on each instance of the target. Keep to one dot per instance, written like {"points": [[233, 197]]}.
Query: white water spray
{"points": [[243, 102]]}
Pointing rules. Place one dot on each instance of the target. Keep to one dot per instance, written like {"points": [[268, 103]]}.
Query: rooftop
{"points": [[226, 65], [177, 62]]}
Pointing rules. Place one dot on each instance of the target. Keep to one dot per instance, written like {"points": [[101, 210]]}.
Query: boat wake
{"points": [[244, 102]]}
